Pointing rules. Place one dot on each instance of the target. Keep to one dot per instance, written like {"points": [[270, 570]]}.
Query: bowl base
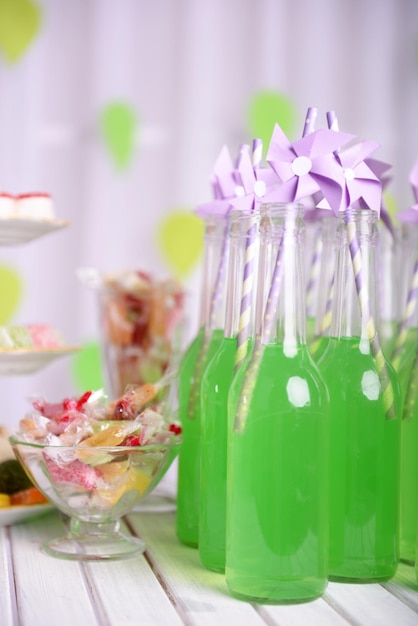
{"points": [[94, 547]]}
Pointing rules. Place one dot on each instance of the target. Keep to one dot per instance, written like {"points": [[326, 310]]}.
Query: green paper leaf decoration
{"points": [[20, 21], [11, 289], [391, 204], [118, 123], [87, 367], [265, 109], [180, 241]]}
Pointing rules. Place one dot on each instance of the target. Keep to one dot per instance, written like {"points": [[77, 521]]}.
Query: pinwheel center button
{"points": [[239, 191], [348, 173], [260, 188], [301, 165]]}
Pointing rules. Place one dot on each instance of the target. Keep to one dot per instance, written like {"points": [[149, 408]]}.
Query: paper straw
{"points": [[215, 301], [325, 324], [244, 325], [310, 120], [372, 335], [250, 375], [332, 123], [314, 272], [269, 318], [409, 311], [412, 391]]}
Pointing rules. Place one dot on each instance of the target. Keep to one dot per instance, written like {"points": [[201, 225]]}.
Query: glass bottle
{"points": [[215, 388], [364, 431], [193, 363], [405, 360], [326, 282], [387, 285], [276, 535]]}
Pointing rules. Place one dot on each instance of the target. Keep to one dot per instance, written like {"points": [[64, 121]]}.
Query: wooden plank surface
{"points": [[202, 596], [6, 581], [342, 604], [49, 591], [167, 585], [128, 592]]}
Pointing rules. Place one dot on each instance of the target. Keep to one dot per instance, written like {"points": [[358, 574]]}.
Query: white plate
{"points": [[17, 230], [17, 514], [21, 362]]}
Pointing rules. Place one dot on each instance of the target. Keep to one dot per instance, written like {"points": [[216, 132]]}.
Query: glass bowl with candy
{"points": [[95, 461]]}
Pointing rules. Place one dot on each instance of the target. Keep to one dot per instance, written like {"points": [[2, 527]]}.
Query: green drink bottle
{"points": [[193, 364], [215, 388], [365, 416], [276, 532], [404, 355], [324, 298]]}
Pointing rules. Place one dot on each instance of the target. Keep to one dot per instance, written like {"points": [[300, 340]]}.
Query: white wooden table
{"points": [[167, 586]]}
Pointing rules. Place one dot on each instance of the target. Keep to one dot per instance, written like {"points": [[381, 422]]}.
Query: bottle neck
{"points": [[326, 280], [280, 309], [407, 274], [355, 294], [215, 263], [242, 271]]}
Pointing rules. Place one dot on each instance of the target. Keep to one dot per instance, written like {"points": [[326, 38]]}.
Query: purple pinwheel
{"points": [[253, 183], [224, 186], [380, 169], [361, 184], [410, 215], [307, 166]]}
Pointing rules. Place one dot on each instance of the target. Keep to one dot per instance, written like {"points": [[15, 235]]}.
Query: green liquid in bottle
{"points": [[277, 483], [188, 486], [364, 467], [409, 458], [215, 388]]}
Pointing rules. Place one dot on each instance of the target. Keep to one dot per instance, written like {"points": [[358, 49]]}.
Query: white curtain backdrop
{"points": [[189, 69]]}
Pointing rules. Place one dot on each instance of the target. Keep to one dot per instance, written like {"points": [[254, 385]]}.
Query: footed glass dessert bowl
{"points": [[95, 463]]}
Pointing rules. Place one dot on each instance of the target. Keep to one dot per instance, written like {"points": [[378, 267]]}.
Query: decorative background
{"points": [[119, 109]]}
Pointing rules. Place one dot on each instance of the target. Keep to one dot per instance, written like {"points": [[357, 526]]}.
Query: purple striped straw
{"points": [[325, 323], [251, 372], [412, 391], [244, 325], [269, 317], [314, 272], [215, 301], [406, 319], [310, 120], [372, 335]]}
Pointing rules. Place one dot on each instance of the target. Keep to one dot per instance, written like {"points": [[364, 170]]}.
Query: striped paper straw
{"points": [[310, 120], [269, 318], [372, 336], [325, 323], [314, 272], [412, 391], [244, 325], [332, 123], [216, 300], [411, 305], [251, 372]]}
